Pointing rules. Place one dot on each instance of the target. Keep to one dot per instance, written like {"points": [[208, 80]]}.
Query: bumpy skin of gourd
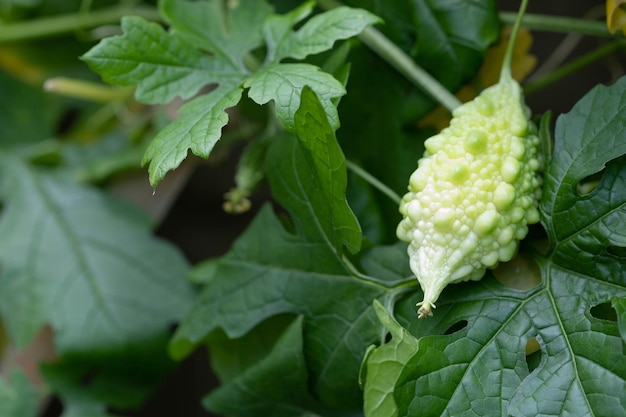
{"points": [[474, 193]]}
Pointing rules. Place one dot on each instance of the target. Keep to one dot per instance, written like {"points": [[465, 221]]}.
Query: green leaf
{"points": [[84, 263], [228, 29], [198, 129], [270, 271], [18, 398], [321, 177], [590, 222], [162, 65], [231, 357], [283, 83], [453, 36], [384, 365], [276, 385], [317, 35], [277, 29]]}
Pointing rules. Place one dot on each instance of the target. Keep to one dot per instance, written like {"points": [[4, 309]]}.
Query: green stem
{"points": [[505, 73], [398, 59], [68, 23], [559, 24], [403, 63], [87, 90], [574, 66], [373, 181]]}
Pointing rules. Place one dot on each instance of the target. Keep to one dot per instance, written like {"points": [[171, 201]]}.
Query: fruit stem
{"points": [[505, 74]]}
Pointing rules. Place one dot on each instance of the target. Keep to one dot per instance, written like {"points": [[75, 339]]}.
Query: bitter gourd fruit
{"points": [[474, 192]]}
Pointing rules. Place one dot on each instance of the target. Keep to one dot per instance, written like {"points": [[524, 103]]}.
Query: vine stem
{"points": [[373, 181], [68, 23], [559, 24], [397, 58], [574, 66]]}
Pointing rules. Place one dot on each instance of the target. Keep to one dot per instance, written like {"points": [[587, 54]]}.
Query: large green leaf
{"points": [[582, 228], [270, 271], [481, 365], [83, 262], [318, 177]]}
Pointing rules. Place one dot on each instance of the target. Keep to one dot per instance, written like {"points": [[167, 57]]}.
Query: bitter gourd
{"points": [[474, 192]]}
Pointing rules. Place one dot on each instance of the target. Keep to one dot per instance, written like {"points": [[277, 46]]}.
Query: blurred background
{"points": [[191, 214]]}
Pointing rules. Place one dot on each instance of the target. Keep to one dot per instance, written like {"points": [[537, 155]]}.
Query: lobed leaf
{"points": [[278, 29], [283, 84], [162, 65], [595, 139], [228, 30], [317, 35], [84, 263], [268, 272], [384, 365], [198, 129]]}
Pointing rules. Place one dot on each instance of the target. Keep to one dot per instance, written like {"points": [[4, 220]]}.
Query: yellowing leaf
{"points": [[521, 65], [616, 15]]}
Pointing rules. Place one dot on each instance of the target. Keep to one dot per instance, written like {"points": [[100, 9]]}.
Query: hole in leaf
{"points": [[588, 184], [458, 326], [618, 251], [388, 337], [533, 354], [604, 311]]}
